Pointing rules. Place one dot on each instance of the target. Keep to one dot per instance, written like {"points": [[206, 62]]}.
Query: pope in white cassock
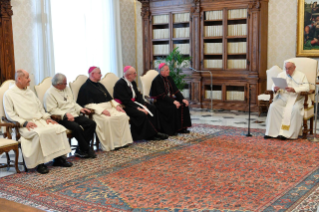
{"points": [[42, 139], [285, 114]]}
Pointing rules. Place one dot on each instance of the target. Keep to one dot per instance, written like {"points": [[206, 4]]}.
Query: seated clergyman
{"points": [[285, 114], [113, 128], [143, 116], [172, 107], [42, 139], [58, 100]]}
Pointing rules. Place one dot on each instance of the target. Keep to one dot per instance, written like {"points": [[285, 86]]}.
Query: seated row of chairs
{"points": [[108, 81]]}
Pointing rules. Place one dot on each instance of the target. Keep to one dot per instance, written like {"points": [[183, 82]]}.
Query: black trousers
{"points": [[85, 135]]}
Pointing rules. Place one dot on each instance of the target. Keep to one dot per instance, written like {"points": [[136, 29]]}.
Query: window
{"points": [[84, 35]]}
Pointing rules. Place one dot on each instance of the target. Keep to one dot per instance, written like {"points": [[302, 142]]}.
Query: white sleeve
{"points": [[96, 107], [10, 112]]}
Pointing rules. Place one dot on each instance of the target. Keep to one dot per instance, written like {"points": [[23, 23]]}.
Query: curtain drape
{"points": [[86, 33]]}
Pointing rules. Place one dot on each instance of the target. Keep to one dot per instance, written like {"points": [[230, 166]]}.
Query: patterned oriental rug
{"points": [[213, 168]]}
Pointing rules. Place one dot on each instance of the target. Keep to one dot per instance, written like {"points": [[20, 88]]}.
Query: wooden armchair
{"points": [[12, 128], [147, 80], [309, 67], [6, 145]]}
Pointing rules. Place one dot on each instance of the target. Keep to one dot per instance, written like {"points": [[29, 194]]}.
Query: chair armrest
{"points": [[56, 118], [271, 93], [92, 112], [14, 124], [305, 94]]}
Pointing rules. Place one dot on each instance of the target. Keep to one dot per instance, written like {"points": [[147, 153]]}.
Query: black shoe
{"points": [[282, 138], [91, 153], [155, 138], [42, 169], [79, 153], [162, 135], [184, 131], [267, 137], [60, 161]]}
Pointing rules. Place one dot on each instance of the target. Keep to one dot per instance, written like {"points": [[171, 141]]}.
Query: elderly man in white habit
{"points": [[285, 114], [42, 139], [58, 100]]}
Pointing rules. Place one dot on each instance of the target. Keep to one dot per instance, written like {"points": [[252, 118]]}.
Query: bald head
{"points": [[19, 73], [22, 78], [130, 74]]}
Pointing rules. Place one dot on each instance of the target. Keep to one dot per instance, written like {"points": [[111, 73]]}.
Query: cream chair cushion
{"points": [[272, 72], [7, 142], [109, 81], [42, 88], [77, 84], [147, 80]]}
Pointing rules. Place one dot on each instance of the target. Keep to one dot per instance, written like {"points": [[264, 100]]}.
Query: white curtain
{"points": [[45, 43], [86, 33]]}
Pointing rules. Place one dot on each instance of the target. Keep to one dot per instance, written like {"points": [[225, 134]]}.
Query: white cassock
{"points": [[113, 131], [285, 114], [59, 102], [43, 143]]}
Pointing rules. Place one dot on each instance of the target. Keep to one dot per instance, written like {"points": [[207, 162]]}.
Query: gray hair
{"points": [[58, 79], [19, 73]]}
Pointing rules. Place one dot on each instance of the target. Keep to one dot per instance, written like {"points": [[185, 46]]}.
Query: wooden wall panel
{"points": [[7, 67]]}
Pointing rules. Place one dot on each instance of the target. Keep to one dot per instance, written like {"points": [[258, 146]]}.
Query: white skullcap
{"points": [[290, 61]]}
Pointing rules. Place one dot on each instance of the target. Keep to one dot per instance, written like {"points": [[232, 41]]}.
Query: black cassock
{"points": [[93, 92], [171, 119], [142, 126]]}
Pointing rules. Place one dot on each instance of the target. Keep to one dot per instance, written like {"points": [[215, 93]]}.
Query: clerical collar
{"points": [[128, 82]]}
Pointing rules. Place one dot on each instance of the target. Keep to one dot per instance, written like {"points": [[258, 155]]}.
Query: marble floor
{"points": [[220, 117]]}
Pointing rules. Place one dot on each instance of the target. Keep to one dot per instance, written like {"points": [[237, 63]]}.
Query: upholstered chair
{"points": [[77, 84], [8, 132], [263, 99], [6, 145], [109, 81], [309, 67], [146, 81]]}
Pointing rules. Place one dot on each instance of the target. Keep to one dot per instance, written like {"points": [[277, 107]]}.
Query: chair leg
{"points": [[8, 161], [305, 129], [97, 142], [311, 126], [16, 151], [25, 167]]}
